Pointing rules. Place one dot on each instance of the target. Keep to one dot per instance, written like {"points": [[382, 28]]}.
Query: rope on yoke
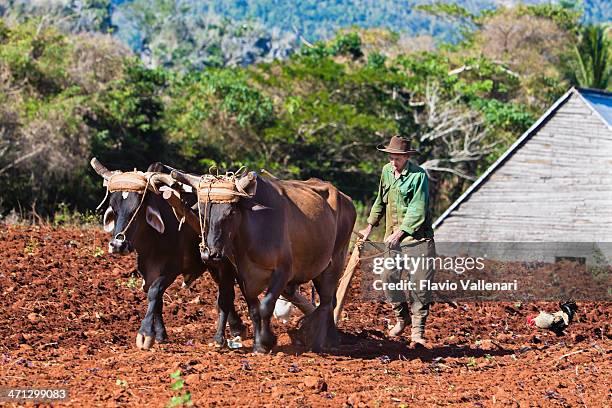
{"points": [[103, 200]]}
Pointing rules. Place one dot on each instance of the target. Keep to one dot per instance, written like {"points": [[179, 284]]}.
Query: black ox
{"points": [[146, 224]]}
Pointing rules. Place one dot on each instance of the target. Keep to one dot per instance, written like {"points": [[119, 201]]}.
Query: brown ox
{"points": [[279, 234]]}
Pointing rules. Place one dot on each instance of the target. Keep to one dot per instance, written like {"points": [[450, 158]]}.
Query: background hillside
{"points": [[192, 34]]}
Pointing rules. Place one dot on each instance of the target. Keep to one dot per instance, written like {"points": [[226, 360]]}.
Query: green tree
{"points": [[49, 82], [593, 57]]}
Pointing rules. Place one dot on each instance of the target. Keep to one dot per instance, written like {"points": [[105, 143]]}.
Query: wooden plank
{"points": [[345, 281], [182, 210]]}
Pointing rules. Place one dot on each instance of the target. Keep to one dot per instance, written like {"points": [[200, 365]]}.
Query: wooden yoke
{"points": [[181, 210]]}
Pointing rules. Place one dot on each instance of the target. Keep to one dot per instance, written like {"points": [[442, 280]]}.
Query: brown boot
{"points": [[401, 311], [419, 318], [398, 329], [417, 340], [417, 336]]}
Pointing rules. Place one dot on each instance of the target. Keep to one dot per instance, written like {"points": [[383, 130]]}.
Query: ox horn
{"points": [[189, 179], [245, 181], [100, 169], [159, 179]]}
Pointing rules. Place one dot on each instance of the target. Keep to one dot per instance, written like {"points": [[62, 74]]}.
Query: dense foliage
{"points": [[318, 112]]}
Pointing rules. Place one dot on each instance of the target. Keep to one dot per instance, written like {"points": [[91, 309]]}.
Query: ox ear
{"points": [[154, 220], [109, 220]]}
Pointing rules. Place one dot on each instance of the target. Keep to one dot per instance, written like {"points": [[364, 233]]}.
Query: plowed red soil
{"points": [[70, 312]]}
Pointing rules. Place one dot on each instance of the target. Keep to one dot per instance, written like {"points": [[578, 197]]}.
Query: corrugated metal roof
{"points": [[600, 102], [594, 99]]}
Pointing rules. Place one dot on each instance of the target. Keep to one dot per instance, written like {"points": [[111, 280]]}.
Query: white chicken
{"points": [[556, 322]]}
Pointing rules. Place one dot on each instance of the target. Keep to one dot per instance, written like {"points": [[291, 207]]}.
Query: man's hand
{"points": [[394, 239], [366, 231]]}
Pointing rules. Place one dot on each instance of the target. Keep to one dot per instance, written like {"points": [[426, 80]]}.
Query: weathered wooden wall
{"points": [[556, 187]]}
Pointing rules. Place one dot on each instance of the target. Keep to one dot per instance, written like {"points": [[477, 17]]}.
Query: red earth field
{"points": [[70, 313]]}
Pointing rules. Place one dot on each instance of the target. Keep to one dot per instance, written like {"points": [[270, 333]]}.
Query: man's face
{"points": [[398, 161]]}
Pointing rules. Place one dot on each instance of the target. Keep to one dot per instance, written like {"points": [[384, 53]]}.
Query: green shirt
{"points": [[404, 202]]}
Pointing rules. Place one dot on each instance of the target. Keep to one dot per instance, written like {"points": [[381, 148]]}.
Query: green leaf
{"points": [[177, 385]]}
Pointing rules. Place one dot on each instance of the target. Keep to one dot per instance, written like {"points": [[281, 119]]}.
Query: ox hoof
{"points": [[139, 341], [218, 341], [144, 342], [259, 349], [333, 339], [240, 331], [148, 342], [215, 345], [296, 337]]}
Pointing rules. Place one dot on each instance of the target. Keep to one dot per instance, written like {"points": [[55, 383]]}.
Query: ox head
{"points": [[219, 201], [129, 213]]}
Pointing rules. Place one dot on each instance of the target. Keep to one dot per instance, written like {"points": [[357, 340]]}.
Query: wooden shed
{"points": [[554, 184]]}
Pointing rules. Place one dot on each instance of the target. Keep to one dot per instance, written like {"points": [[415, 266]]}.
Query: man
{"points": [[403, 198]]}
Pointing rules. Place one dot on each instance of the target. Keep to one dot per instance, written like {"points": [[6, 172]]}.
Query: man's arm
{"points": [[417, 208]]}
